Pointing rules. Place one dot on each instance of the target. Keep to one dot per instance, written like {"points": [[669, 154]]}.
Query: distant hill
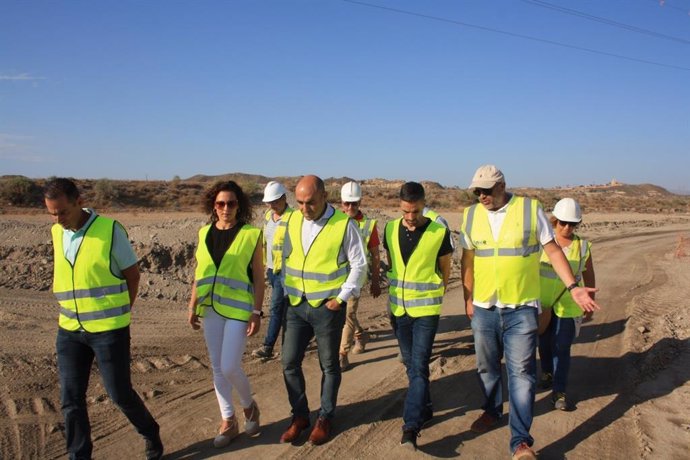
{"points": [[186, 194]]}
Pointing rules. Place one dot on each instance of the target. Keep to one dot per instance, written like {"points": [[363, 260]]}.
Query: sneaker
{"points": [[229, 430], [524, 452], [360, 343], [252, 425], [559, 401], [344, 363], [154, 448], [409, 439], [546, 380], [484, 423], [263, 351]]}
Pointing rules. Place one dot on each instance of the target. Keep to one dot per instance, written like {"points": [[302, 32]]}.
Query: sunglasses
{"points": [[350, 203], [231, 204], [483, 191], [566, 223]]}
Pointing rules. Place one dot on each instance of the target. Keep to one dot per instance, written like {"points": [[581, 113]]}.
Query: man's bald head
{"points": [[310, 194]]}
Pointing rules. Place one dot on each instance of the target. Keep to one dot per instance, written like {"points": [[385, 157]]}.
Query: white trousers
{"points": [[226, 340]]}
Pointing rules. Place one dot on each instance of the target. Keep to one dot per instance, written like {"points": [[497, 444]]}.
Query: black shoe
{"points": [[154, 448], [409, 439], [546, 380]]}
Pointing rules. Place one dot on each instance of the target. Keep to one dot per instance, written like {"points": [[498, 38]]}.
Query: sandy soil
{"points": [[629, 377]]}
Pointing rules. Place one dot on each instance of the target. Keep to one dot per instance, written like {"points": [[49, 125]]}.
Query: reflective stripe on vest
{"points": [[90, 296], [416, 288], [319, 274], [552, 286], [508, 267], [227, 289], [278, 237]]}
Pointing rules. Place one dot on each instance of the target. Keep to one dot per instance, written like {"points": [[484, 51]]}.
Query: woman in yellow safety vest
{"points": [[228, 292], [561, 316]]}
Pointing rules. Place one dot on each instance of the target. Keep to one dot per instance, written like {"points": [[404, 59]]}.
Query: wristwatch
{"points": [[572, 286]]}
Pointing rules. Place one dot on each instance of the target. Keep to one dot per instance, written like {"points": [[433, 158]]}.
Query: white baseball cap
{"points": [[486, 177], [351, 192], [567, 210], [273, 191]]}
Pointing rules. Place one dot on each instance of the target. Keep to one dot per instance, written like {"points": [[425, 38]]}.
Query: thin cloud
{"points": [[20, 77], [15, 147]]}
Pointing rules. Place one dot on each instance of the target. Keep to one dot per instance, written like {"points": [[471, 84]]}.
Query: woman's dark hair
{"points": [[244, 206]]}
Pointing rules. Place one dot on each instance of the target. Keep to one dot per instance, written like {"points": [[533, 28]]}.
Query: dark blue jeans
{"points": [[278, 305], [302, 323], [416, 340], [554, 350], [75, 354], [511, 332]]}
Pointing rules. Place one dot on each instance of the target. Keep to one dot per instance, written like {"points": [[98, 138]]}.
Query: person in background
{"points": [[439, 219], [228, 293], [324, 265], [354, 336], [562, 316], [418, 252], [501, 238], [275, 223], [96, 280]]}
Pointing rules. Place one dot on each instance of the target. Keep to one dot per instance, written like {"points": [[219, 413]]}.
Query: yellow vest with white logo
{"points": [[416, 288], [319, 274], [278, 237], [90, 296], [552, 286], [508, 267], [227, 289]]}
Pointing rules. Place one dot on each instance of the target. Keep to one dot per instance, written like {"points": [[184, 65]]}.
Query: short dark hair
{"points": [[244, 206], [61, 186], [412, 192]]}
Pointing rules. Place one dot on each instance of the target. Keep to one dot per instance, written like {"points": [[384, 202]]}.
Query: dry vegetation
{"points": [[184, 194]]}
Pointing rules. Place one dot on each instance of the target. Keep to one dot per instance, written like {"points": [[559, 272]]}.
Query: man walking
{"points": [[419, 253], [501, 238], [354, 336], [96, 280], [275, 223], [323, 266]]}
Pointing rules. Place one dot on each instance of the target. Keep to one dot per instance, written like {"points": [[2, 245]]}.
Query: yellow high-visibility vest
{"points": [[552, 286], [227, 288], [90, 296], [278, 237], [416, 288], [319, 274], [509, 267], [366, 228]]}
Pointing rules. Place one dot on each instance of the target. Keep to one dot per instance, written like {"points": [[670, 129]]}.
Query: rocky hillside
{"points": [[185, 194]]}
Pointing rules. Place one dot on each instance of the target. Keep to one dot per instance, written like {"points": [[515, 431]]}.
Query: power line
{"points": [[517, 35], [606, 21]]}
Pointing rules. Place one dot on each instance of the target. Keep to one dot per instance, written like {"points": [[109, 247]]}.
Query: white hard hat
{"points": [[273, 191], [567, 210], [351, 192]]}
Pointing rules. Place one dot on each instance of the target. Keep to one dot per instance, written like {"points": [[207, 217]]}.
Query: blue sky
{"points": [[417, 90]]}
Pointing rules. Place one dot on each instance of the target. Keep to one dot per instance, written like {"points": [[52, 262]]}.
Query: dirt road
{"points": [[629, 378]]}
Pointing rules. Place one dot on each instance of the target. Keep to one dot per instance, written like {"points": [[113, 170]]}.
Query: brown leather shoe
{"points": [[321, 432], [484, 423], [296, 427]]}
